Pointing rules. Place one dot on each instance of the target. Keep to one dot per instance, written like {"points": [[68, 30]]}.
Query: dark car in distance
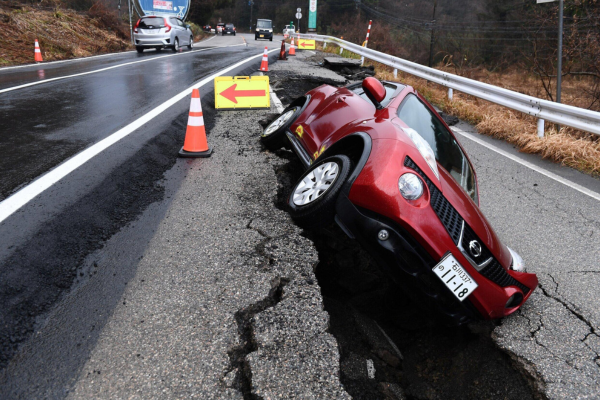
{"points": [[384, 166], [228, 29], [264, 29]]}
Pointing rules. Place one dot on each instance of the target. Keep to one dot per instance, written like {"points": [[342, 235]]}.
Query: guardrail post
{"points": [[540, 128], [324, 45], [341, 50], [450, 94], [395, 73]]}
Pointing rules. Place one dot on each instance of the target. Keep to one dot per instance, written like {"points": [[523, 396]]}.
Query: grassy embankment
{"points": [[569, 147], [62, 33]]}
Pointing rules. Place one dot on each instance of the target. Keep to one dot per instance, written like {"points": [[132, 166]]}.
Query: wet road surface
{"points": [[43, 125]]}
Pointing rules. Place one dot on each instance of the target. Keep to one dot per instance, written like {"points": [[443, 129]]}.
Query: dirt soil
{"points": [[61, 33]]}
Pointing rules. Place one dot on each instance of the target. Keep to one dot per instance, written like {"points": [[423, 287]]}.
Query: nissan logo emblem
{"points": [[475, 248]]}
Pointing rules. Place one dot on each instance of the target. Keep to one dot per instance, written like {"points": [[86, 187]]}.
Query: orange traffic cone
{"points": [[38, 52], [292, 48], [195, 144], [264, 65], [282, 52]]}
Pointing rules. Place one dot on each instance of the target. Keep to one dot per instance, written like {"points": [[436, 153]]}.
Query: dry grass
{"points": [[61, 33], [569, 147]]}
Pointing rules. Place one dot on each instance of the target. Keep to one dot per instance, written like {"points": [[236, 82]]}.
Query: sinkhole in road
{"points": [[389, 347]]}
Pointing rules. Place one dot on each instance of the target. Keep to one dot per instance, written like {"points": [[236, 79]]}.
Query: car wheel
{"points": [[271, 39], [191, 45], [139, 49], [312, 201], [274, 134], [176, 45]]}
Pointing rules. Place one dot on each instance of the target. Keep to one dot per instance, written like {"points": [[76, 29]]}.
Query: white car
{"points": [[289, 29]]}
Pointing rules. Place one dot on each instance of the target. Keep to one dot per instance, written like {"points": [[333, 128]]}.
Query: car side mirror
{"points": [[374, 91]]}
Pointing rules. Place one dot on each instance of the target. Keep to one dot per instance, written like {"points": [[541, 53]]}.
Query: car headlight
{"points": [[410, 186], [257, 30], [270, 30], [517, 263], [424, 148]]}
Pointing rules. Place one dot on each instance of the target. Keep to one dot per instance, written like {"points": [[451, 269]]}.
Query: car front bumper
{"points": [[267, 35]]}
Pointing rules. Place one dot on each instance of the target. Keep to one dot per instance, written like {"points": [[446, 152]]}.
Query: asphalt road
{"points": [[96, 281], [44, 242]]}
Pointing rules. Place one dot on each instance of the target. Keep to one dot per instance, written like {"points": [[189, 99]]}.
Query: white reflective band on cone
{"points": [[195, 105], [195, 121]]}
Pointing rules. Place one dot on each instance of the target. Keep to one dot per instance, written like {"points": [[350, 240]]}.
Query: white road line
{"points": [[42, 65], [77, 59], [107, 68], [29, 192], [276, 101], [529, 165]]}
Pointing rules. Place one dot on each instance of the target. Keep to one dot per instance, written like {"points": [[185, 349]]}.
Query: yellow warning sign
{"points": [[242, 92], [306, 44]]}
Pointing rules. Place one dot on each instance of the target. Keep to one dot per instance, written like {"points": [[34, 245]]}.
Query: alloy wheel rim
{"points": [[316, 183], [279, 122]]}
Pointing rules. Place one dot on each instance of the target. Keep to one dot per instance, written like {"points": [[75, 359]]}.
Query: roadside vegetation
{"points": [[62, 33], [91, 28], [576, 149]]}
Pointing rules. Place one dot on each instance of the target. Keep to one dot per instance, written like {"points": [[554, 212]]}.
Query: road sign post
{"points": [[298, 17]]}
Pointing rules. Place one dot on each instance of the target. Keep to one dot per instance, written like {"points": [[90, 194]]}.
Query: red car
{"points": [[387, 169]]}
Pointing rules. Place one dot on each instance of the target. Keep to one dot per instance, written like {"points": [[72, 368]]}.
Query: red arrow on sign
{"points": [[303, 44], [231, 94]]}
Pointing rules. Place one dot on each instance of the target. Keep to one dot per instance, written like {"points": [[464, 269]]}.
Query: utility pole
{"points": [[560, 46], [130, 26], [251, 3], [433, 34]]}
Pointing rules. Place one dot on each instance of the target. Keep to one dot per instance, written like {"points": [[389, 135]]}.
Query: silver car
{"points": [[159, 32]]}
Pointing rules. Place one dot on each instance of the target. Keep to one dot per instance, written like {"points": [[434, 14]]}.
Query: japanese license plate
{"points": [[455, 277], [262, 35]]}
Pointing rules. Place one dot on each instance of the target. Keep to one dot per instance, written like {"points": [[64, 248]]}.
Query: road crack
{"points": [[242, 379]]}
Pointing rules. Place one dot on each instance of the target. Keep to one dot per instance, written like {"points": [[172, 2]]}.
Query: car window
{"points": [[229, 26], [448, 153], [152, 23], [390, 89], [263, 24]]}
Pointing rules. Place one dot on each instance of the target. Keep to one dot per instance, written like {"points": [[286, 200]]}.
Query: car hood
{"points": [[449, 188]]}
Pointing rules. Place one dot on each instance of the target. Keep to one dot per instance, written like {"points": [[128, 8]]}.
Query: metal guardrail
{"points": [[544, 110]]}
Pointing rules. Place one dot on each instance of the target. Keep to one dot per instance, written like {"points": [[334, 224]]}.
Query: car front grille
{"points": [[453, 222]]}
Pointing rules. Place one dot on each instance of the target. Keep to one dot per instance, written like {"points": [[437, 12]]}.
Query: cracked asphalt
{"points": [[207, 290]]}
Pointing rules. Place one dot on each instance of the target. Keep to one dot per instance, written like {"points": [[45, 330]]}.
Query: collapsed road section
{"points": [[210, 291]]}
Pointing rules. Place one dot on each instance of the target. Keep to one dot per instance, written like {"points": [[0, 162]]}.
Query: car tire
{"points": [[234, 34], [273, 136], [176, 45], [313, 211], [139, 49], [191, 45], [271, 39]]}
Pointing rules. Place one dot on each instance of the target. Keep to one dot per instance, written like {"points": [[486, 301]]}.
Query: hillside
{"points": [[62, 33]]}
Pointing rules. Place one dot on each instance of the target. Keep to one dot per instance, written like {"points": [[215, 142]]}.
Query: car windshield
{"points": [[390, 89], [152, 23], [264, 24], [448, 153], [229, 26]]}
